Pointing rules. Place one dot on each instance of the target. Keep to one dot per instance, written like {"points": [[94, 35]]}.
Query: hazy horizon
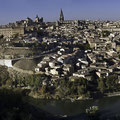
{"points": [[15, 10]]}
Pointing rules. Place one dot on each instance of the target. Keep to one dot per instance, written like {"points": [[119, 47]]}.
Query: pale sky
{"points": [[12, 10]]}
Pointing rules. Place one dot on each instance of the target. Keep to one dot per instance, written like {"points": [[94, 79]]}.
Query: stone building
{"points": [[61, 16], [63, 21], [10, 31], [38, 20]]}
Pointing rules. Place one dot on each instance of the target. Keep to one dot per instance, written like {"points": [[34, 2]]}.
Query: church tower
{"points": [[37, 19], [61, 19]]}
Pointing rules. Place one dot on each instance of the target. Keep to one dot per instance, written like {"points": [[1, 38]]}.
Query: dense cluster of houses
{"points": [[85, 47], [101, 59]]}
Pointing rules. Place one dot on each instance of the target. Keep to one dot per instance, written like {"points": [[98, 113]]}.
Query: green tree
{"points": [[105, 33], [37, 82], [4, 75], [43, 89], [112, 82], [9, 82], [16, 35], [101, 85], [81, 90], [1, 36]]}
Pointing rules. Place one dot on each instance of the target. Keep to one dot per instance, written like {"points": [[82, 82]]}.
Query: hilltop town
{"points": [[66, 50]]}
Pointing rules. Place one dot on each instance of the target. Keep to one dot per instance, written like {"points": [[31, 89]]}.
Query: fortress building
{"points": [[19, 27], [10, 31]]}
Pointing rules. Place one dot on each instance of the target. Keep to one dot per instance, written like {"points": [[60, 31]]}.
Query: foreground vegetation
{"points": [[40, 86], [15, 103], [14, 106]]}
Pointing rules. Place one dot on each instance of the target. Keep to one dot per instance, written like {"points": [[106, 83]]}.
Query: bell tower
{"points": [[61, 19], [37, 19]]}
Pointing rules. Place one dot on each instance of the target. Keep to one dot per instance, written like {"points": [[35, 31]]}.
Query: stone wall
{"points": [[7, 63]]}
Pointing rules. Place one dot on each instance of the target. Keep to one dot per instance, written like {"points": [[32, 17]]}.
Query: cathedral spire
{"points": [[61, 16]]}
